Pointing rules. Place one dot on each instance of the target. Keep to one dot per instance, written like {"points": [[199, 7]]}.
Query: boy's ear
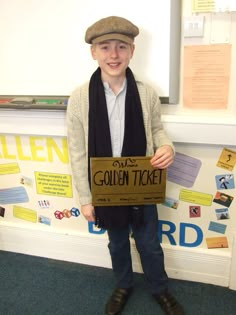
{"points": [[132, 48], [93, 52]]}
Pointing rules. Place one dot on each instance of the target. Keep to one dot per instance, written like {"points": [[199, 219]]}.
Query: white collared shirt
{"points": [[116, 116]]}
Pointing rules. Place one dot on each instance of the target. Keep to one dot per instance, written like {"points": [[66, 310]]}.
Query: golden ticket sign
{"points": [[126, 181]]}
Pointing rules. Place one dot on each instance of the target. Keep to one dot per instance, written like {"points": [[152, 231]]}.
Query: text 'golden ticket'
{"points": [[126, 181]]}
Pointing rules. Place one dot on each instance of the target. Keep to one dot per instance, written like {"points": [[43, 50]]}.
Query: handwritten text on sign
{"points": [[126, 181]]}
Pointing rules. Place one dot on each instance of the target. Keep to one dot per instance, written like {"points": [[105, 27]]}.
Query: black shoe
{"points": [[169, 304], [117, 301]]}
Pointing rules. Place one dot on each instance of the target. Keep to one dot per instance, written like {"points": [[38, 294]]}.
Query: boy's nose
{"points": [[114, 52]]}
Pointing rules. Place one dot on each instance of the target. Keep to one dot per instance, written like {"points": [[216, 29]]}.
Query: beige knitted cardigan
{"points": [[77, 133]]}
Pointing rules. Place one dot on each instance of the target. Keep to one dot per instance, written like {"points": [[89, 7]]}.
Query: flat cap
{"points": [[112, 27]]}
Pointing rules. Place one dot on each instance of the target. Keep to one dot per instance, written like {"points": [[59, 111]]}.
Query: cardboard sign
{"points": [[126, 181]]}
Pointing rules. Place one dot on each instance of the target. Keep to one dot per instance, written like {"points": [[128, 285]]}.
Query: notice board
{"points": [[43, 50]]}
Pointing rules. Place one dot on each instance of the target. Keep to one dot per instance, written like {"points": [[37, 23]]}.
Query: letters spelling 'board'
{"points": [[46, 53], [126, 181]]}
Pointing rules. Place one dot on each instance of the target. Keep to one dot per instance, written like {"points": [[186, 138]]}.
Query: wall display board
{"points": [[43, 52], [37, 189]]}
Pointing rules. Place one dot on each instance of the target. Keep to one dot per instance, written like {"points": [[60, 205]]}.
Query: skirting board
{"points": [[198, 265]]}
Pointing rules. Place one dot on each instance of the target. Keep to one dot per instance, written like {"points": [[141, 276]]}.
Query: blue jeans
{"points": [[150, 251]]}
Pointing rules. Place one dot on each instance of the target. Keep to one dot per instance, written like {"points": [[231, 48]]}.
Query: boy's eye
{"points": [[104, 47]]}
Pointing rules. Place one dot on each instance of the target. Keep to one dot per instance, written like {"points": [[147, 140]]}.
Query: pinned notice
{"points": [[184, 170], [213, 5], [13, 195], [25, 214], [227, 159], [9, 168], [203, 6], [206, 76], [195, 197], [126, 181], [54, 184], [217, 242]]}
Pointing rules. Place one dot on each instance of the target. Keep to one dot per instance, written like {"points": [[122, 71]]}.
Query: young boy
{"points": [[115, 114]]}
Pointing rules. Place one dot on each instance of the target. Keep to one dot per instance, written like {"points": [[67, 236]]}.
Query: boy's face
{"points": [[113, 57]]}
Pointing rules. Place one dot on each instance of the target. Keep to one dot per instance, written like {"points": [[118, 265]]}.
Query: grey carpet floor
{"points": [[40, 286]]}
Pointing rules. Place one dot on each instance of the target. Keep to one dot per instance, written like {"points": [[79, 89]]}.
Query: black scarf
{"points": [[99, 144]]}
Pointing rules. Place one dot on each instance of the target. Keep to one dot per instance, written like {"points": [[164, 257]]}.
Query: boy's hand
{"points": [[163, 157], [88, 212]]}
